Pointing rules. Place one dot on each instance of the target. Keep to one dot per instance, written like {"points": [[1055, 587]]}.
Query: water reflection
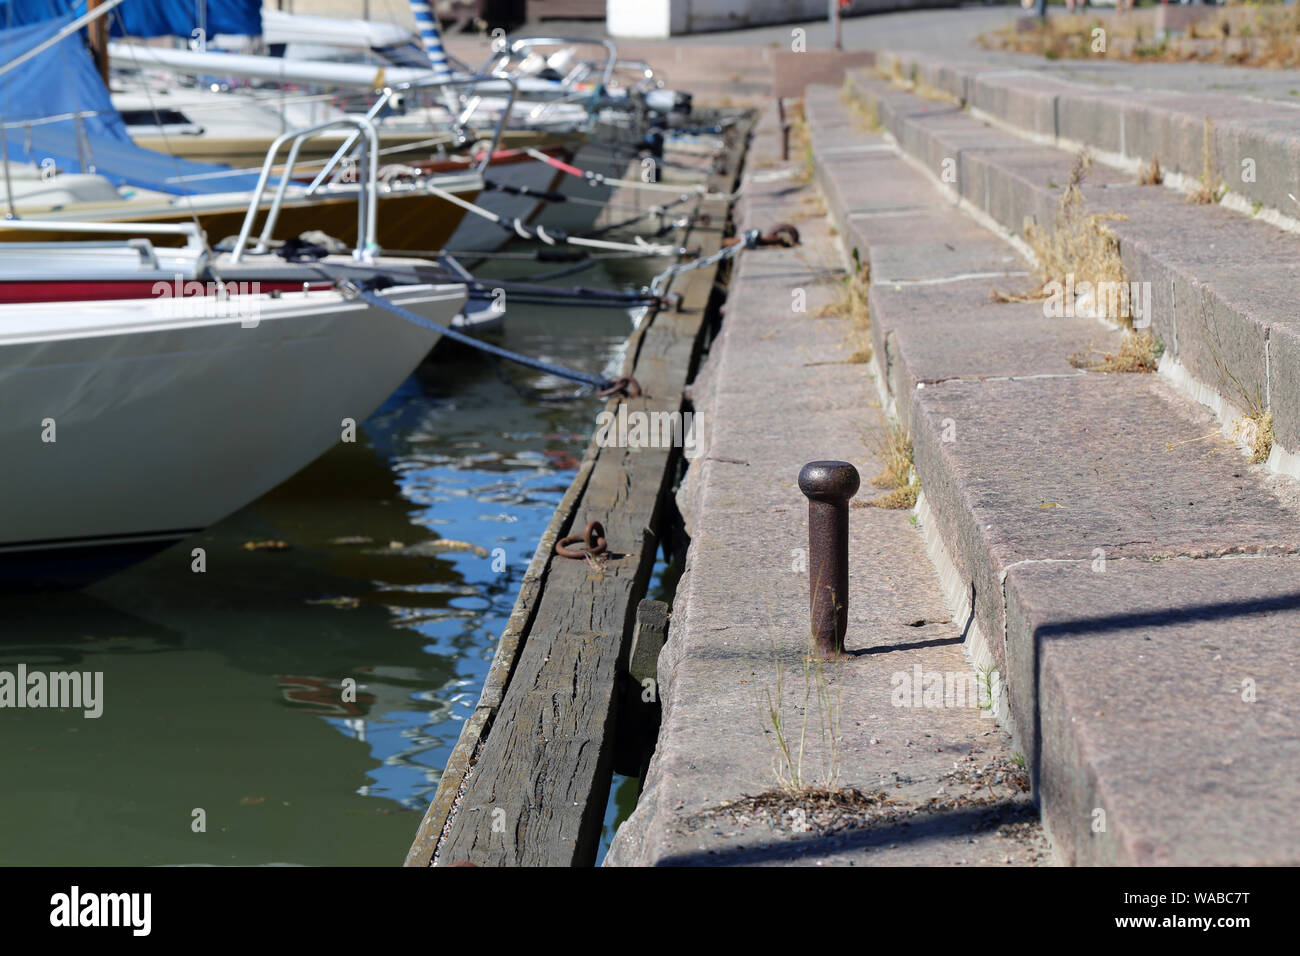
{"points": [[304, 700]]}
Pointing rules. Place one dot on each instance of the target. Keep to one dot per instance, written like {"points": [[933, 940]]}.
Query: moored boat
{"points": [[55, 130], [146, 398]]}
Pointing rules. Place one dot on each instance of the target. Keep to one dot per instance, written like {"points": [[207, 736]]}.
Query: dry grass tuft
{"points": [[897, 476], [899, 499], [894, 74], [1138, 352], [1079, 245], [1151, 174], [1056, 37], [1210, 188], [1255, 429], [912, 83], [851, 303], [1256, 432], [866, 119], [1244, 34], [812, 207]]}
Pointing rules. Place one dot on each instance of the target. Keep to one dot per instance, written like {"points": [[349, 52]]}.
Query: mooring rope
{"points": [[553, 237], [367, 292], [682, 189], [653, 212]]}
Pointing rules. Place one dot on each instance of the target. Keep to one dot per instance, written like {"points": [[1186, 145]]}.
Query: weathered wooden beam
{"points": [[529, 779]]}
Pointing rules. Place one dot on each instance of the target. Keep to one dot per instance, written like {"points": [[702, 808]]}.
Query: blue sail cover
{"points": [[148, 18], [63, 80]]}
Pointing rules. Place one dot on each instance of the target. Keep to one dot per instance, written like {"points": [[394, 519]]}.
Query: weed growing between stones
{"points": [[1138, 352], [1081, 247], [898, 476], [1079, 244], [866, 119], [813, 207], [1255, 428], [912, 82], [1256, 431], [788, 758], [994, 792], [1078, 247], [851, 303], [1210, 188]]}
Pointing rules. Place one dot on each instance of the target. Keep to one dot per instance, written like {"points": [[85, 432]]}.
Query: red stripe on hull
{"points": [[106, 289]]}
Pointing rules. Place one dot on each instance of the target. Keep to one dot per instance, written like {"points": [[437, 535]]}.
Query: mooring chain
{"points": [[730, 248], [782, 234], [625, 386], [593, 539]]}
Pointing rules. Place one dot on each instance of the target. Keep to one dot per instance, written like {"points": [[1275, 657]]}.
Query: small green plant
{"points": [[985, 677], [788, 759]]}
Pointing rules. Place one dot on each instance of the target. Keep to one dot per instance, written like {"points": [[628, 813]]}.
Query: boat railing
{"points": [[522, 46], [649, 80], [367, 198], [391, 93]]}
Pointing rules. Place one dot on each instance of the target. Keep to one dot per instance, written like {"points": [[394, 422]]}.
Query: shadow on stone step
{"points": [[959, 826]]}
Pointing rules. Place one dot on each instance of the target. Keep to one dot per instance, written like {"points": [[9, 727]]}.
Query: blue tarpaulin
{"points": [[148, 18], [63, 80]]}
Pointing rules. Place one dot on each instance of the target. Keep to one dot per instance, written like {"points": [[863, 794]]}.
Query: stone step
{"points": [[776, 391], [1129, 575], [1253, 144], [1220, 284]]}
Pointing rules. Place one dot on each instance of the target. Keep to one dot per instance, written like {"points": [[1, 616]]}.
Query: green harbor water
{"points": [[222, 690]]}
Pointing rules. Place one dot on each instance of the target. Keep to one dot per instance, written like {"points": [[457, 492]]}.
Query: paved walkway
{"points": [[936, 783], [951, 33]]}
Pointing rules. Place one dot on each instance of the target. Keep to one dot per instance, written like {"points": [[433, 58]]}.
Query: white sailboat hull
{"points": [[122, 427]]}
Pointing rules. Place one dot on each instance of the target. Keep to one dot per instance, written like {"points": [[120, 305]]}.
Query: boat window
{"points": [[154, 117]]}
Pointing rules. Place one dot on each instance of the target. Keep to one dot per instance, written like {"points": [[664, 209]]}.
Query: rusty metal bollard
{"points": [[829, 485]]}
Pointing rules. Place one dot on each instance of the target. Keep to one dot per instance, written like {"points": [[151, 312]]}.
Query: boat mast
{"points": [[99, 40], [431, 38], [97, 10]]}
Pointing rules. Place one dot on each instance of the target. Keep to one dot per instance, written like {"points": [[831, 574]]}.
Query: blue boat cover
{"points": [[63, 80], [148, 18]]}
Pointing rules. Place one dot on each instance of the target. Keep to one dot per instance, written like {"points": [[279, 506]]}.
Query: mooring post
{"points": [[785, 130], [829, 485]]}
